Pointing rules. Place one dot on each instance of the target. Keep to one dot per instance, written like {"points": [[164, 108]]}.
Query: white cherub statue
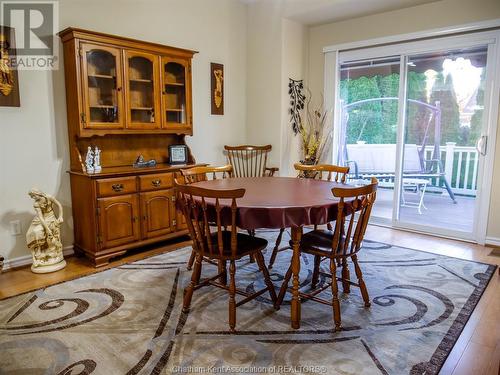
{"points": [[44, 234], [89, 160], [97, 159]]}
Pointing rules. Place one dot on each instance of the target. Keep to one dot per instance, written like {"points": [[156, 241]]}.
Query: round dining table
{"points": [[282, 202]]}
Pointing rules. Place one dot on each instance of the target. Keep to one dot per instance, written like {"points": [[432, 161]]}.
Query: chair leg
{"points": [[276, 248], [251, 232], [191, 260], [335, 296], [346, 287], [267, 278], [361, 282], [222, 266], [195, 279], [232, 294], [284, 287], [315, 276]]}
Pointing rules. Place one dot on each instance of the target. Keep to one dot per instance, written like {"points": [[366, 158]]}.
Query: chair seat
{"points": [[317, 242], [246, 245]]}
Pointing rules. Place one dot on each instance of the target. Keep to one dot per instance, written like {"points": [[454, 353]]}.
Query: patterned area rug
{"points": [[128, 320]]}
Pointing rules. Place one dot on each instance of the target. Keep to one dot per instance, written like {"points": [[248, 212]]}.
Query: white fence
{"points": [[460, 165]]}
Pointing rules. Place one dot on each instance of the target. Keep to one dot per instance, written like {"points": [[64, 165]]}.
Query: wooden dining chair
{"points": [[327, 172], [250, 161], [344, 242], [201, 207], [198, 174]]}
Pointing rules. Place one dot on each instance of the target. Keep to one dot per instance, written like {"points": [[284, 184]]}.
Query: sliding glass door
{"points": [[417, 120], [443, 123], [369, 122]]}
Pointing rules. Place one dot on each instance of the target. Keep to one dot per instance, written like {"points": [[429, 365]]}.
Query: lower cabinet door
{"points": [[181, 221], [157, 213], [118, 220]]}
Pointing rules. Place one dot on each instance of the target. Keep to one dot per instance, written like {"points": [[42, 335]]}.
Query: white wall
{"points": [[276, 50], [292, 66], [33, 138], [264, 77]]}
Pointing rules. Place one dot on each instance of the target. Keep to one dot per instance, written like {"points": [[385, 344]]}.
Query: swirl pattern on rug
{"points": [[129, 320]]}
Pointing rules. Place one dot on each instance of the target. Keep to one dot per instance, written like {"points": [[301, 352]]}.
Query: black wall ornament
{"points": [[297, 101]]}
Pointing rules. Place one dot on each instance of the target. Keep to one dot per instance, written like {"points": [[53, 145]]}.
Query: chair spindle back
{"points": [[346, 229], [318, 172], [201, 208], [248, 161], [197, 174]]}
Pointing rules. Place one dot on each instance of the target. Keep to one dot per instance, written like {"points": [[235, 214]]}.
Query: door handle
{"points": [[482, 145]]}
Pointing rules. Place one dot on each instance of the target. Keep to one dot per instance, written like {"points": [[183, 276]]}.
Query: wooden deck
{"points": [[441, 212]]}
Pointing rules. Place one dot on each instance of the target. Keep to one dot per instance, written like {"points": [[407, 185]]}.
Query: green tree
{"points": [[476, 123], [389, 88], [364, 120], [444, 92], [417, 116]]}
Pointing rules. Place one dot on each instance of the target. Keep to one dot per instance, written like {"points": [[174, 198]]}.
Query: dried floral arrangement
{"points": [[311, 122]]}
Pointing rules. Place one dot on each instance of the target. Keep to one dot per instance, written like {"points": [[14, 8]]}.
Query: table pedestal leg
{"points": [[295, 305]]}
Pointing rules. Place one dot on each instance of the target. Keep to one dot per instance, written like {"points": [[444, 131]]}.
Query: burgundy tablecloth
{"points": [[279, 202]]}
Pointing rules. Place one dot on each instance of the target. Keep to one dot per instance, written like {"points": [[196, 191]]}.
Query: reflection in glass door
{"points": [[443, 123], [369, 119], [415, 115]]}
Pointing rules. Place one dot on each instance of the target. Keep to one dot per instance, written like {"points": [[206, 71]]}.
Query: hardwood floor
{"points": [[477, 351], [23, 280]]}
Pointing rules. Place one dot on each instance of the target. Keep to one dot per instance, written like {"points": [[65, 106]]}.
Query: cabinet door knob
{"points": [[156, 183], [117, 187]]}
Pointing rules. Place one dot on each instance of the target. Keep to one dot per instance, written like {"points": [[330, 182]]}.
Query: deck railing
{"points": [[460, 165]]}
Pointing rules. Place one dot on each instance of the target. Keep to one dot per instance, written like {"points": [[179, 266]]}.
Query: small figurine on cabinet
{"points": [[44, 234], [89, 160], [97, 159]]}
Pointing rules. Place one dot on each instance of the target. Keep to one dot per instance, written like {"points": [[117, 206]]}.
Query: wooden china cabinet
{"points": [[128, 98]]}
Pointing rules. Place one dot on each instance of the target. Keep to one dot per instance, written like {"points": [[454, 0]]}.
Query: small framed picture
{"points": [[177, 154]]}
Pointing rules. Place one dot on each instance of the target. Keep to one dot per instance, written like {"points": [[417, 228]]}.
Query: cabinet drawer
{"points": [[158, 181], [116, 186]]}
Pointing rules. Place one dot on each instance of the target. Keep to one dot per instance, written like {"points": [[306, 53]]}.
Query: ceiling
{"points": [[315, 12]]}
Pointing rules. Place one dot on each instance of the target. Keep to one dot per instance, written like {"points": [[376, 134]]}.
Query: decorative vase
{"points": [[308, 174]]}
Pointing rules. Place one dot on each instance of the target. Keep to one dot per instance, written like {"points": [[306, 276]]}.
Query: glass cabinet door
{"points": [[102, 91], [142, 97], [176, 101]]}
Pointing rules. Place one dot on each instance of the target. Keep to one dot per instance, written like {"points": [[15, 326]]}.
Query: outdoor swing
{"points": [[379, 160]]}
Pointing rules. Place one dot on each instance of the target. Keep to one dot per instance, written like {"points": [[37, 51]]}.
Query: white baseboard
{"points": [[27, 259], [493, 241]]}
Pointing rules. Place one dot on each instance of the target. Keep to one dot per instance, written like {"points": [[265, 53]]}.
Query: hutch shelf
{"points": [[128, 98]]}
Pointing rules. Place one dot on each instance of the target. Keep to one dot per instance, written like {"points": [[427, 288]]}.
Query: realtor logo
{"points": [[35, 25]]}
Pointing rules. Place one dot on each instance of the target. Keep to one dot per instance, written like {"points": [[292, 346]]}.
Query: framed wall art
{"points": [[177, 154], [9, 83], [217, 88]]}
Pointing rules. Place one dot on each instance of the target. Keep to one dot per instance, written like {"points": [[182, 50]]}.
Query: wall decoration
{"points": [[177, 154], [44, 234], [9, 83], [297, 101], [217, 88]]}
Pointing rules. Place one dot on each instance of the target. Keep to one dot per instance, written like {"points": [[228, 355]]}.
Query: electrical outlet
{"points": [[15, 227]]}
